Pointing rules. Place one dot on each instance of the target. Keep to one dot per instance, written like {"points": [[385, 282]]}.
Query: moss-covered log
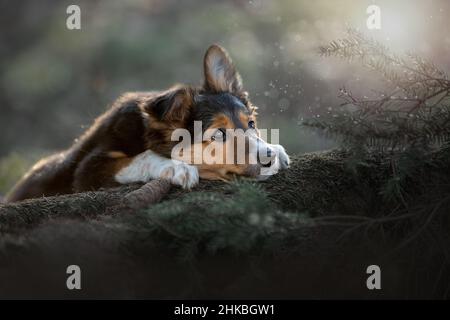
{"points": [[308, 232], [318, 183]]}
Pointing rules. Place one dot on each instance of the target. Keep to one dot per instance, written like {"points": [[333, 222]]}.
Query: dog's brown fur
{"points": [[137, 122]]}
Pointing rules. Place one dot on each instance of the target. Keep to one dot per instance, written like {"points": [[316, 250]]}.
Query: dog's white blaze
{"points": [[150, 165]]}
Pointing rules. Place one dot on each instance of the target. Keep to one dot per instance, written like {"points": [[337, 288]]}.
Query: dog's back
{"points": [[83, 167]]}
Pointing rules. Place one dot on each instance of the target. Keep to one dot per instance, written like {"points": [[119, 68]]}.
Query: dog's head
{"points": [[216, 124]]}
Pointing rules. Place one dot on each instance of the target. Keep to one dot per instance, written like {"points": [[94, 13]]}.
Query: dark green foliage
{"points": [[240, 220]]}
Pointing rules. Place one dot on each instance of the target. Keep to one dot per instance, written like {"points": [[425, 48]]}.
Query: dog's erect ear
{"points": [[172, 105], [220, 73]]}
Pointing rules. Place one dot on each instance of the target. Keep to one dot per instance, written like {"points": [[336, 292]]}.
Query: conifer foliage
{"points": [[413, 112], [407, 127]]}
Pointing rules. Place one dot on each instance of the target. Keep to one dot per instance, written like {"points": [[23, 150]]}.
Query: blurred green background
{"points": [[55, 81]]}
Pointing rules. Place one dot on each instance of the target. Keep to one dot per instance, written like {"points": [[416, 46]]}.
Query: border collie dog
{"points": [[133, 141]]}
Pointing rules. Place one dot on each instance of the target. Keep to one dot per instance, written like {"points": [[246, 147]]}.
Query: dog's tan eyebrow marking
{"points": [[222, 121], [116, 154], [244, 118]]}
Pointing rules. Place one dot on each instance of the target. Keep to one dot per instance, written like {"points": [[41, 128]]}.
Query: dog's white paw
{"points": [[181, 174]]}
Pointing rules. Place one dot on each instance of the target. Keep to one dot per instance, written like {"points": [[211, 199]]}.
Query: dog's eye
{"points": [[251, 124], [219, 135]]}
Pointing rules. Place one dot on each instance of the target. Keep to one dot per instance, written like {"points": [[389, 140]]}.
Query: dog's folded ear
{"points": [[173, 105], [220, 72]]}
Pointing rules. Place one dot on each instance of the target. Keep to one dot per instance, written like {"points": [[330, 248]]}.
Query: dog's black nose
{"points": [[266, 156], [267, 165]]}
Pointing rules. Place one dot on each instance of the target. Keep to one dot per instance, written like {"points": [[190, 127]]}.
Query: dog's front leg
{"points": [[150, 165]]}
